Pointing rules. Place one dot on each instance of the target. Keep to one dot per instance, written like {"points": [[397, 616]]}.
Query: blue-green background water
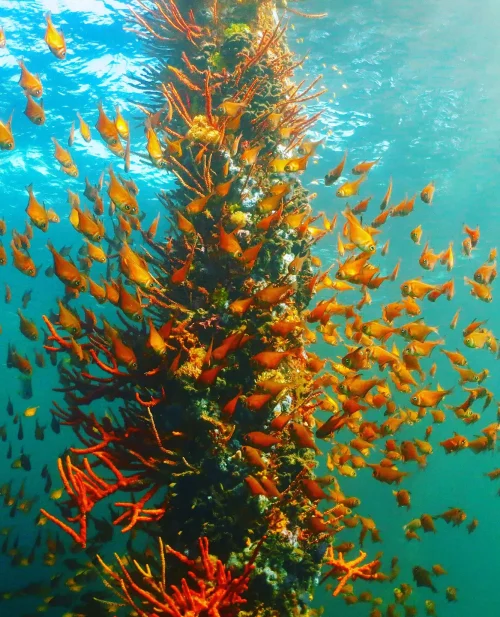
{"points": [[414, 83]]}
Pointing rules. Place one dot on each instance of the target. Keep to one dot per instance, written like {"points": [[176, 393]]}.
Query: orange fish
{"points": [[428, 259], [252, 455], [3, 262], [106, 127], [361, 206], [404, 208], [416, 288], [71, 138], [18, 361], [416, 234], [22, 261], [356, 386], [37, 213], [467, 247], [429, 398], [455, 357], [85, 224], [84, 128], [388, 475], [479, 290], [124, 355], [61, 155], [250, 156], [357, 234], [274, 294], [349, 189], [6, 136], [387, 196], [34, 111], [447, 257], [381, 219], [198, 204], [302, 437], [30, 83], [453, 444], [255, 487], [422, 348], [363, 168], [403, 498], [120, 196], [454, 321], [428, 193], [66, 271], [69, 321], [153, 146], [333, 175], [272, 359], [55, 39], [473, 235], [3, 40], [122, 125], [98, 292], [486, 273], [28, 328], [357, 360], [228, 242]]}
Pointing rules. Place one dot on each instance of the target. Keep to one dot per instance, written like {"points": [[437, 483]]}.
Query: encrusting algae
{"points": [[210, 449]]}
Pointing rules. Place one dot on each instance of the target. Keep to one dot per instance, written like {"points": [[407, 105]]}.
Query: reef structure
{"points": [[207, 364]]}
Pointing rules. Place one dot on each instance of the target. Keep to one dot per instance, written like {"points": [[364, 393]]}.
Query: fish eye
{"points": [[347, 362], [133, 365], [31, 272], [77, 283], [406, 288], [403, 331], [126, 207], [372, 248], [425, 262], [414, 399]]}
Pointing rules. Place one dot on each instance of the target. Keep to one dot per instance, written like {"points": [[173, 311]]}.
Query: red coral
{"points": [[209, 590], [344, 570], [85, 489]]}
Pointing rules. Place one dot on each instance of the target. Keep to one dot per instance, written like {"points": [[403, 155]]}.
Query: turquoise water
{"points": [[414, 84]]}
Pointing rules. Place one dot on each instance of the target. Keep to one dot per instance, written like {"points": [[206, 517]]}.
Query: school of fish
{"points": [[382, 375]]}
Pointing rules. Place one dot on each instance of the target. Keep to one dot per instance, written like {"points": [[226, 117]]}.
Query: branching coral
{"points": [[209, 590], [349, 570]]}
